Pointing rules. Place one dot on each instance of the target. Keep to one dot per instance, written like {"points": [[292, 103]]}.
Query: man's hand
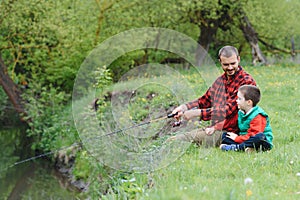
{"points": [[179, 110], [189, 114], [231, 135], [210, 130]]}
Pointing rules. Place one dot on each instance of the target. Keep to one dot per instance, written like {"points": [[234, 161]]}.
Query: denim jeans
{"points": [[258, 141]]}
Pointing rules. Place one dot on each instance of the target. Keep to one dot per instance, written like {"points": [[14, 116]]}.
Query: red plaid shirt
{"points": [[218, 104]]}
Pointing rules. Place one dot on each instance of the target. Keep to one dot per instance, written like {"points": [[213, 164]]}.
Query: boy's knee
{"points": [[261, 136]]}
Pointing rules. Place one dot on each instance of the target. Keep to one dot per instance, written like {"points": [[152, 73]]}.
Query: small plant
{"points": [[44, 111]]}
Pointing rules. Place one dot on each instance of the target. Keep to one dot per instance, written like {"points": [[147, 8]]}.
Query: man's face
{"points": [[230, 65]]}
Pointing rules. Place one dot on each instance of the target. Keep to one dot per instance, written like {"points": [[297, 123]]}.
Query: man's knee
{"points": [[213, 140], [201, 138]]}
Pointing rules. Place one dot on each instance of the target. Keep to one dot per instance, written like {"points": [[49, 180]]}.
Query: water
{"points": [[30, 180]]}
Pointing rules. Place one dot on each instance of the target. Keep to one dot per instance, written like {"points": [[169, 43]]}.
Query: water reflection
{"points": [[29, 180]]}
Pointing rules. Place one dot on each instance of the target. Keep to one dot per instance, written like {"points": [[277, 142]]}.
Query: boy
{"points": [[253, 122]]}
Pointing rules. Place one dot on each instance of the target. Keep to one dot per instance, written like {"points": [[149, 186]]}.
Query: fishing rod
{"points": [[177, 123]]}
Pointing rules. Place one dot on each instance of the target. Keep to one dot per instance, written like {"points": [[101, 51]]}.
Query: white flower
{"points": [[130, 180], [248, 180], [298, 174]]}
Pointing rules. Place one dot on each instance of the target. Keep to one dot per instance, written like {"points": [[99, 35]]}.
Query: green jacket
{"points": [[245, 119]]}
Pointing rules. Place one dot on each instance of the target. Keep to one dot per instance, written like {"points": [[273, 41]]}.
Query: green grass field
{"points": [[212, 174]]}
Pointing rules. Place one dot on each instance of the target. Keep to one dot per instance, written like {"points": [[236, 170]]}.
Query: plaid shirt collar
{"points": [[229, 79]]}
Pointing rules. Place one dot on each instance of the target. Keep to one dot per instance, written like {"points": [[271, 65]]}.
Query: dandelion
{"points": [[248, 181], [298, 174], [249, 193]]}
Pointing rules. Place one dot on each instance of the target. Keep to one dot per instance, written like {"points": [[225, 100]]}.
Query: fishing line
{"points": [[40, 156], [80, 143]]}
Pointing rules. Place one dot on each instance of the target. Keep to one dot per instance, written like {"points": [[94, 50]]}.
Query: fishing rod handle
{"points": [[172, 115]]}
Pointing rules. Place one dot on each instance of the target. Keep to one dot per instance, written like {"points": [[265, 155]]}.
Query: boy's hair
{"points": [[228, 51], [250, 92]]}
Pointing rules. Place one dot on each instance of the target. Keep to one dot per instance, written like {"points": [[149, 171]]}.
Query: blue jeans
{"points": [[259, 142]]}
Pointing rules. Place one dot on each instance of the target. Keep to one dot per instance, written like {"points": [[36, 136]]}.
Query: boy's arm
{"points": [[219, 126], [257, 125]]}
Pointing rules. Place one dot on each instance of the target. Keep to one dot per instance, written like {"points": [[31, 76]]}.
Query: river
{"points": [[29, 180]]}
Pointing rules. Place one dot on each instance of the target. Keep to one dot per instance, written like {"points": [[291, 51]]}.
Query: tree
{"points": [[209, 16], [275, 23], [11, 89], [42, 42], [46, 41]]}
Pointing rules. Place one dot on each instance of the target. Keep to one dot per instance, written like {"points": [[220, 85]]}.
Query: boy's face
{"points": [[243, 104], [230, 65]]}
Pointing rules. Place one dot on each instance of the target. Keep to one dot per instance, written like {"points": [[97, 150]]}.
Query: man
{"points": [[218, 104]]}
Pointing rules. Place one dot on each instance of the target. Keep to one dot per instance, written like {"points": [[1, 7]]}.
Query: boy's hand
{"points": [[231, 135], [210, 130]]}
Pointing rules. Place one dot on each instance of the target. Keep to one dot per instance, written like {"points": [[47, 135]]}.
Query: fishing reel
{"points": [[176, 123]]}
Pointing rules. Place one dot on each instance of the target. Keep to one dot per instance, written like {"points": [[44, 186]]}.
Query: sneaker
{"points": [[227, 147], [249, 150]]}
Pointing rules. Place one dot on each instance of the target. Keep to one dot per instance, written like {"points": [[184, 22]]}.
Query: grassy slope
{"points": [[213, 174]]}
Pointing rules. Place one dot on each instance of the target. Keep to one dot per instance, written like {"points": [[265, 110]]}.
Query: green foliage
{"points": [[103, 78], [82, 167], [3, 103], [126, 187], [275, 21], [42, 40], [126, 62], [44, 111]]}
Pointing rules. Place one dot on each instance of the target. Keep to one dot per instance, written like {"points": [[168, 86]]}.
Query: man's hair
{"points": [[228, 51], [250, 92]]}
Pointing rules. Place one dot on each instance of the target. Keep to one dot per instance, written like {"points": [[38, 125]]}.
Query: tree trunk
{"points": [[293, 52], [252, 38], [11, 89], [207, 35]]}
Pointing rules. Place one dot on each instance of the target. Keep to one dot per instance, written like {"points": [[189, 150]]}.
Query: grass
{"points": [[221, 175], [212, 174]]}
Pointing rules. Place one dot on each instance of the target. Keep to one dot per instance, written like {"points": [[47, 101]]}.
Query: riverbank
{"points": [[65, 163], [32, 179]]}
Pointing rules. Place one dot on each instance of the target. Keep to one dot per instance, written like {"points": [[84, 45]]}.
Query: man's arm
{"points": [[193, 108], [202, 102]]}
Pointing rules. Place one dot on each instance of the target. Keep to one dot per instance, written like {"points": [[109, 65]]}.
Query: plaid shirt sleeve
{"points": [[210, 103], [202, 102]]}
